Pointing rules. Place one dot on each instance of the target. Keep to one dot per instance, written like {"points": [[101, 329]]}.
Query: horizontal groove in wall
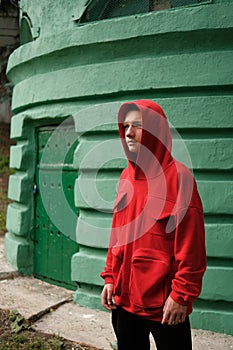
{"points": [[100, 135], [165, 93], [218, 219], [220, 306], [200, 175], [91, 213], [56, 167], [19, 206], [213, 175], [20, 173], [186, 134], [220, 262], [205, 134], [103, 174], [209, 219], [207, 175]]}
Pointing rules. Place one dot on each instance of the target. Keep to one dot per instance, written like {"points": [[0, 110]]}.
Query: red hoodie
{"points": [[157, 243]]}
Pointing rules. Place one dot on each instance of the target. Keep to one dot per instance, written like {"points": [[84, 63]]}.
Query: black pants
{"points": [[133, 331]]}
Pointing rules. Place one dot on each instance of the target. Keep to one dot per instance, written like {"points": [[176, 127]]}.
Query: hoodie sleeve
{"points": [[107, 273], [190, 256]]}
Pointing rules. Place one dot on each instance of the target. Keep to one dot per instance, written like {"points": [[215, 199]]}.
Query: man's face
{"points": [[133, 130]]}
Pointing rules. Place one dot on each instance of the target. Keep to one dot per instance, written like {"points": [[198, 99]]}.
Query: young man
{"points": [[156, 257]]}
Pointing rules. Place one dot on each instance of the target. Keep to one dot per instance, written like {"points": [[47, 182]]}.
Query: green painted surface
{"points": [[98, 77], [211, 148], [219, 239], [93, 229], [19, 156], [217, 196], [92, 262], [213, 316], [159, 26], [19, 187], [18, 219], [56, 215], [182, 58], [19, 253], [88, 294], [215, 281]]}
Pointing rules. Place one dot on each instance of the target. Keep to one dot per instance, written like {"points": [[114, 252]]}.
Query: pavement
{"points": [[53, 311]]}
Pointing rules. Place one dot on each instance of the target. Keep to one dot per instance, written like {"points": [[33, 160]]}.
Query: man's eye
{"points": [[137, 126]]}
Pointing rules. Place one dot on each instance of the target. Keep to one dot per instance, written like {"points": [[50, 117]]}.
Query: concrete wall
{"points": [[181, 58]]}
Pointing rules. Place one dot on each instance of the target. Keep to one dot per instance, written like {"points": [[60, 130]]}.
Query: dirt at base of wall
{"points": [[4, 172]]}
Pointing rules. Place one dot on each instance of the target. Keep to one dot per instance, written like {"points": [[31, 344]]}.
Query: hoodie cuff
{"points": [[179, 299], [108, 280]]}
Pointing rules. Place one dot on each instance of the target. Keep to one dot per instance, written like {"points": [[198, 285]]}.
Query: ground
{"points": [[54, 312], [28, 338]]}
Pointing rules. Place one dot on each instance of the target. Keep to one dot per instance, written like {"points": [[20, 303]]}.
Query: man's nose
{"points": [[130, 131]]}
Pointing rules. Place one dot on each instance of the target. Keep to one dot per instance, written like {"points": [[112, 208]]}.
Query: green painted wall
{"points": [[182, 58]]}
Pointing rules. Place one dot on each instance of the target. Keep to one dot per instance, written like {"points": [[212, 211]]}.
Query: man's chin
{"points": [[133, 150]]}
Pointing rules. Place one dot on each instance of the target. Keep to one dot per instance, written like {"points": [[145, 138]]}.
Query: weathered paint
{"points": [[182, 58]]}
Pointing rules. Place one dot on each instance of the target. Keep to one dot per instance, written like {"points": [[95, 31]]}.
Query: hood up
{"points": [[154, 154]]}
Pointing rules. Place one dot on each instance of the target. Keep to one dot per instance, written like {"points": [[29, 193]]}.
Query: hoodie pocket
{"points": [[148, 278]]}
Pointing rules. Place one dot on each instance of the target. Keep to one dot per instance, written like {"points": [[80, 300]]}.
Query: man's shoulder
{"points": [[183, 171], [188, 186], [124, 174], [182, 168]]}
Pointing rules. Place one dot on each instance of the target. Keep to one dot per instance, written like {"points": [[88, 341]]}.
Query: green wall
{"points": [[182, 58]]}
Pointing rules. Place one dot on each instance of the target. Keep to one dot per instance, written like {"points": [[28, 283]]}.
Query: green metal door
{"points": [[55, 212]]}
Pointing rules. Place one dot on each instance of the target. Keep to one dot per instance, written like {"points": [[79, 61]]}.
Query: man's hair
{"points": [[130, 107]]}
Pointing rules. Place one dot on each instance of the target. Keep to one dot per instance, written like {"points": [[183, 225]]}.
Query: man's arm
{"points": [[190, 255], [107, 292]]}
